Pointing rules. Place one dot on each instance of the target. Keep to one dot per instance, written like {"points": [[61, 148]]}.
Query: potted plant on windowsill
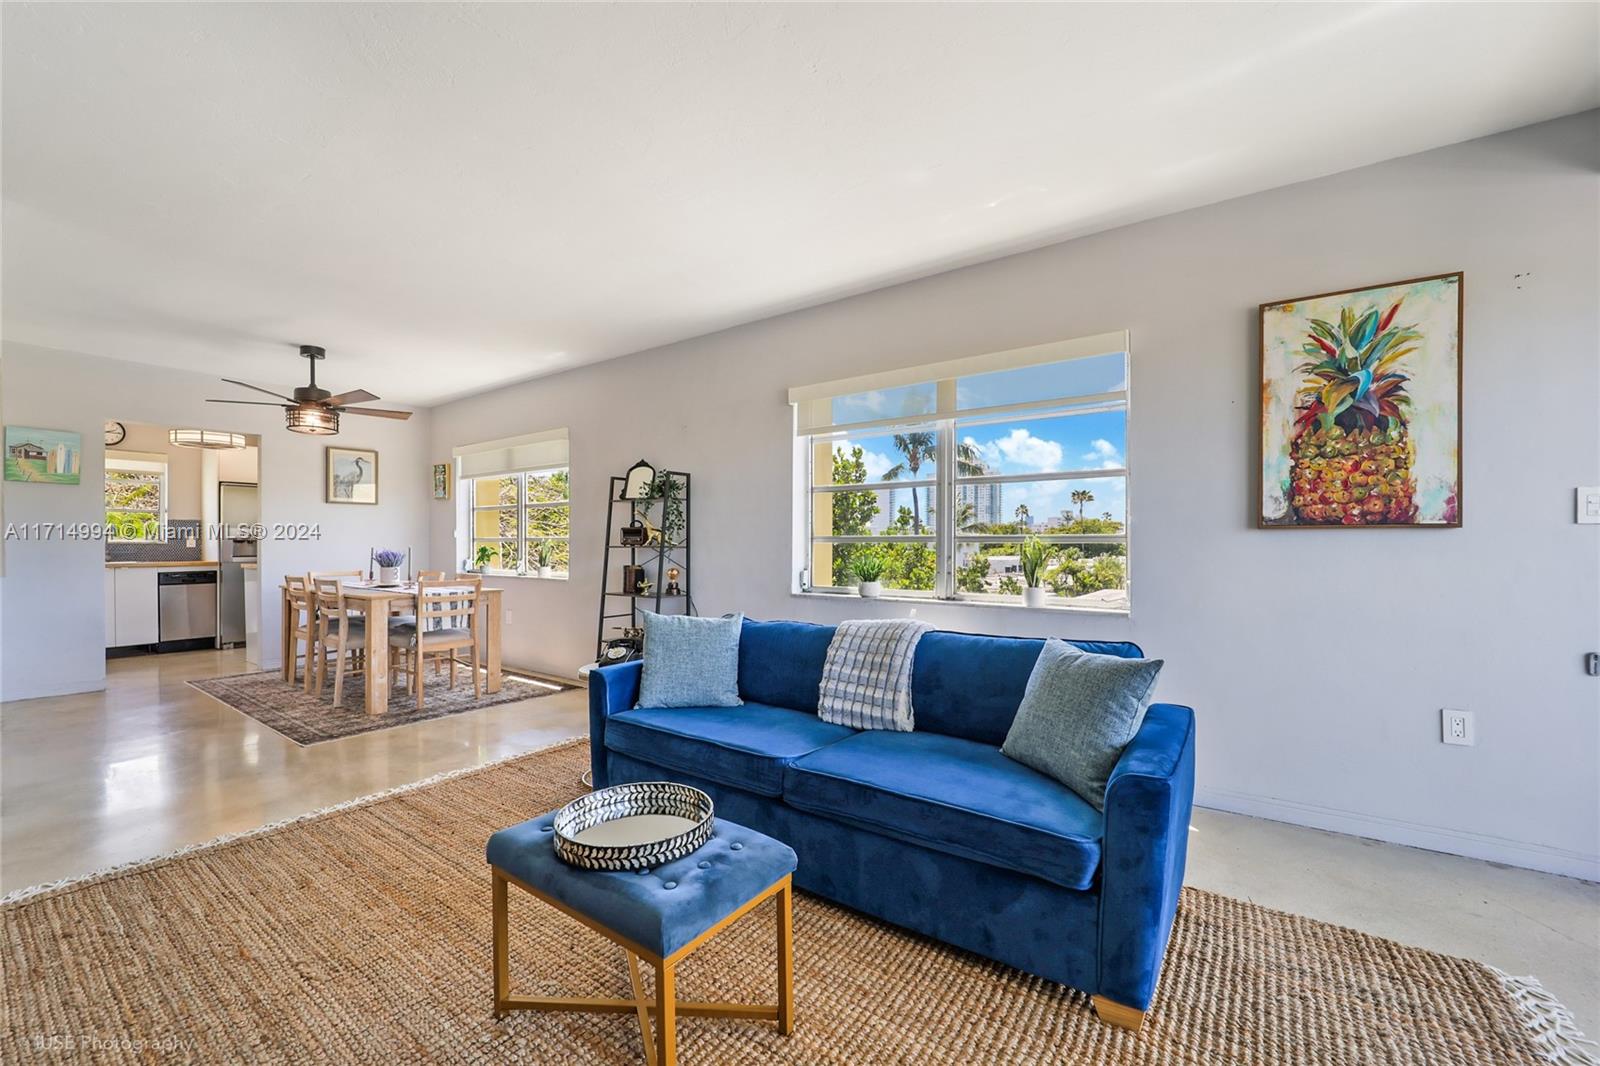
{"points": [[388, 563], [1033, 556], [543, 557], [868, 570], [482, 558]]}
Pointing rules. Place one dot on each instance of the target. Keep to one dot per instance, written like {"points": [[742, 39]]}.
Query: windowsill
{"points": [[500, 575], [929, 601]]}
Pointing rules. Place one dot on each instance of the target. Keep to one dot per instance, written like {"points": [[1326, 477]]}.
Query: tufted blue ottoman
{"points": [[658, 915]]}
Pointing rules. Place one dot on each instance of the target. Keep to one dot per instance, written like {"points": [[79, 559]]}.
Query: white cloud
{"points": [[877, 464], [1019, 448], [1104, 453]]}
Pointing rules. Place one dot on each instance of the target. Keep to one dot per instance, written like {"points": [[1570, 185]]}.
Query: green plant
{"points": [[542, 554], [867, 567], [484, 556], [668, 491], [1033, 556]]}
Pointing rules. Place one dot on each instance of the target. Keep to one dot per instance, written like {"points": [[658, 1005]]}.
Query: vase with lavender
{"points": [[388, 566]]}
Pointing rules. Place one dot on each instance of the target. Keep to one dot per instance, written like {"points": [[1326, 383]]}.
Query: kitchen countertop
{"points": [[177, 564]]}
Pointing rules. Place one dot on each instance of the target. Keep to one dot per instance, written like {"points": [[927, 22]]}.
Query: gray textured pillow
{"points": [[1079, 711], [690, 662]]}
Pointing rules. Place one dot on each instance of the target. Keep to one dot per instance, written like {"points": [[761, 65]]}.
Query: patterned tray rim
{"points": [[631, 856]]}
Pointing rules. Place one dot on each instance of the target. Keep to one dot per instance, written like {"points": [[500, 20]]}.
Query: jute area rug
{"points": [[361, 935], [308, 718]]}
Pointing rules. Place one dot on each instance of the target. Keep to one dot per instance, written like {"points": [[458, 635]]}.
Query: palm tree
{"points": [[1081, 497], [922, 447], [1023, 514]]}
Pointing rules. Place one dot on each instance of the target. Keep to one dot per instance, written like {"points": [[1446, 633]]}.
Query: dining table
{"points": [[377, 601]]}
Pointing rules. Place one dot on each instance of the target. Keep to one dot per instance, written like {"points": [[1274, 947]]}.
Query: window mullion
{"points": [[944, 581]]}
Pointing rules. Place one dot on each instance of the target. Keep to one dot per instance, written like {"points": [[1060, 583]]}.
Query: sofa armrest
{"points": [[1148, 803], [611, 689]]}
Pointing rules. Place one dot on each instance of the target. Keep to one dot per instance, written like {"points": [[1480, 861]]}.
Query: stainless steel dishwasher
{"points": [[188, 609]]}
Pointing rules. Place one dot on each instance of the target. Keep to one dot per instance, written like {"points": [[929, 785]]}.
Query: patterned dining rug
{"points": [[307, 718], [361, 935]]}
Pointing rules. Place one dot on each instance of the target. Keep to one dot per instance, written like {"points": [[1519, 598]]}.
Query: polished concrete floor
{"points": [[152, 764]]}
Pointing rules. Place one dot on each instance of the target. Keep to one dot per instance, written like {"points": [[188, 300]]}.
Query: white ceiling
{"points": [[453, 197]]}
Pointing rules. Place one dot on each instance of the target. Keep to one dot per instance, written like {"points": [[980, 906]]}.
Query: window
{"points": [[516, 516], [136, 496], [938, 475], [516, 503]]}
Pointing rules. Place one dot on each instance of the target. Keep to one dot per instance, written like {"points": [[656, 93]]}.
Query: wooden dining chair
{"points": [[401, 613], [338, 633], [311, 580], [447, 620], [302, 624]]}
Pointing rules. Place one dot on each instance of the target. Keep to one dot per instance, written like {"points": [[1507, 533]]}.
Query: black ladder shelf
{"points": [[654, 557]]}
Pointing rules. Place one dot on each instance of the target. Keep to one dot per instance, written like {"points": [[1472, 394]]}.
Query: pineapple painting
{"points": [[1360, 415]]}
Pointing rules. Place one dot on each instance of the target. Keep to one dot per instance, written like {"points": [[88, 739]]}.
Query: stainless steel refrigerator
{"points": [[239, 511]]}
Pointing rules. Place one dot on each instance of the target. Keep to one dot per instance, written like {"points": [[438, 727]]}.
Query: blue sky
{"points": [[1032, 446]]}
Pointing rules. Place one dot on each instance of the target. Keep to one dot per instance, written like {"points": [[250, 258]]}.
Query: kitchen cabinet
{"points": [[136, 608]]}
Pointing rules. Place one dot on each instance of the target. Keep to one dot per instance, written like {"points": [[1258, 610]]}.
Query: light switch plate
{"points": [[1589, 504]]}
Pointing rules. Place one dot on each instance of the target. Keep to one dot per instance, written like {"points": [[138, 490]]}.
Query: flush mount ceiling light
{"points": [[211, 439], [313, 410]]}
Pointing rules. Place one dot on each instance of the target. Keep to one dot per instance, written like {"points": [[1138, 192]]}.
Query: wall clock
{"points": [[116, 433]]}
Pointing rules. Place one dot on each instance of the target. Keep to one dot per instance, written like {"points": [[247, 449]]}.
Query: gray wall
{"points": [[1317, 661]]}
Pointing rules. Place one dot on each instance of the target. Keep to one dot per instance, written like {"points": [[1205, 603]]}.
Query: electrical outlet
{"points": [[1589, 504], [510, 616], [1456, 727]]}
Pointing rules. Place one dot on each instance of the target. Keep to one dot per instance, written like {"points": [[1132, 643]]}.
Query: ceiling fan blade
{"points": [[353, 396], [378, 411], [258, 388], [252, 403]]}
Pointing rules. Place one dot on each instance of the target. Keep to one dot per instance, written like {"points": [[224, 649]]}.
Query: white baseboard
{"points": [[60, 687], [1395, 831]]}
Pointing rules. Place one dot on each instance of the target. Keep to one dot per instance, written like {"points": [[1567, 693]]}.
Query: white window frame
{"points": [[812, 405], [524, 568], [140, 463]]}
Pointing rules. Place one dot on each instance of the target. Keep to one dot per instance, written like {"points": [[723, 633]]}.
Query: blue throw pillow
{"points": [[1078, 713], [690, 662]]}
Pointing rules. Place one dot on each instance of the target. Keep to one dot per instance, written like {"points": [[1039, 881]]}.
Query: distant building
{"points": [[986, 501], [26, 450]]}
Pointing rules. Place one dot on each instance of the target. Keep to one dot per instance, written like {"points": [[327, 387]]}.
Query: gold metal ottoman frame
{"points": [[662, 1050]]}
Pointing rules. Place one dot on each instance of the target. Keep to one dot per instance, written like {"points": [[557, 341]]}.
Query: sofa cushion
{"points": [[780, 663], [1079, 712], [956, 796], [745, 747], [970, 686], [690, 661]]}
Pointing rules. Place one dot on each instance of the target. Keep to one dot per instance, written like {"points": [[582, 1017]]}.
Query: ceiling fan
{"points": [[313, 410]]}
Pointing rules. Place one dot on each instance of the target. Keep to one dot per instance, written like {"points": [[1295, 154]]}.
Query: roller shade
{"points": [[814, 403], [533, 451]]}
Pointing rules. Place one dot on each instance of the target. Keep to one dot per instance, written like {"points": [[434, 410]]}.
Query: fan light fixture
{"points": [[313, 419], [210, 439]]}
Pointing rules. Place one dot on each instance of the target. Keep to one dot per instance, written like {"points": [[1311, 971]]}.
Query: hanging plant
{"points": [[666, 490]]}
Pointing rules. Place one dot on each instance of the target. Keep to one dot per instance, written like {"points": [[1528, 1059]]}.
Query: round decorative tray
{"points": [[633, 826]]}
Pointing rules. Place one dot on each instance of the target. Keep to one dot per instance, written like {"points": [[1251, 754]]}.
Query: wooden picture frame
{"points": [[1360, 407], [441, 481], [346, 477]]}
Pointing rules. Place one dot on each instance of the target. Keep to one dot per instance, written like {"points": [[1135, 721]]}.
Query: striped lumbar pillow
{"points": [[866, 680]]}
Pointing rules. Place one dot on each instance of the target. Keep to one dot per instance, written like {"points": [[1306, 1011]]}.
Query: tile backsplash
{"points": [[174, 550]]}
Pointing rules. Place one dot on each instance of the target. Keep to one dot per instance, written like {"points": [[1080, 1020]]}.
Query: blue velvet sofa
{"points": [[935, 830]]}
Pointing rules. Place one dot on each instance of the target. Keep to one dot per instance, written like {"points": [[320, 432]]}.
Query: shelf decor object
{"points": [[1361, 407], [633, 826], [646, 558]]}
